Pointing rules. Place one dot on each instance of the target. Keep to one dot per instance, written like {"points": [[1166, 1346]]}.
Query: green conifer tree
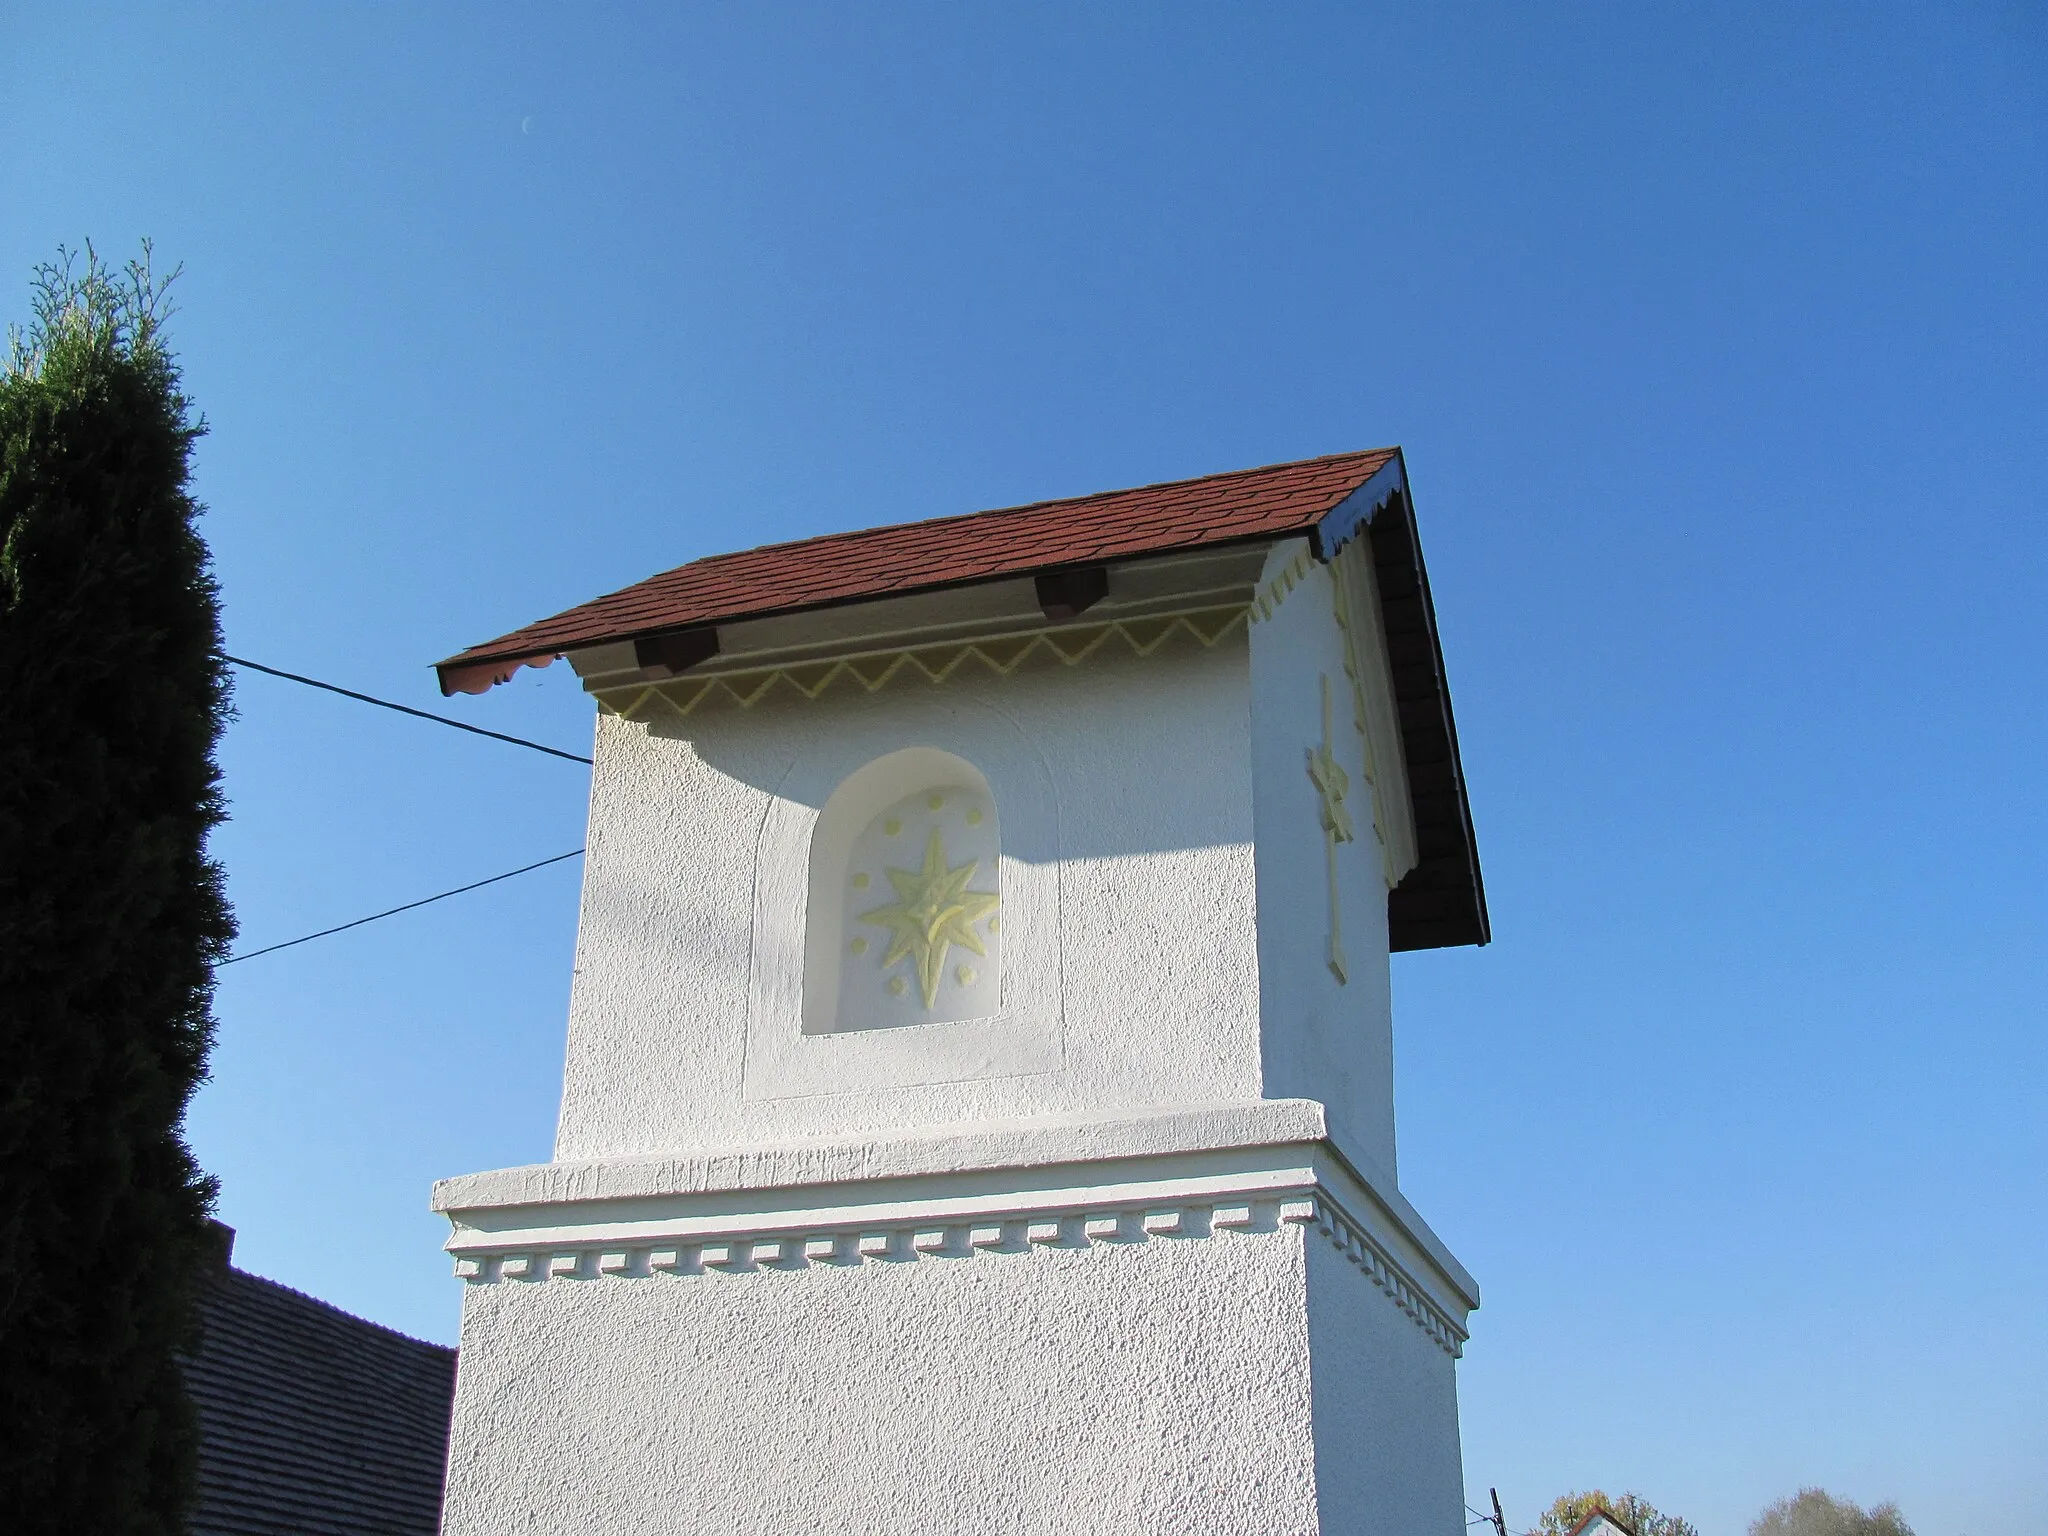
{"points": [[111, 915]]}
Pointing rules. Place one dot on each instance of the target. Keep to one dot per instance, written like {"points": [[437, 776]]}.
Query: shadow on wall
{"points": [[1135, 755]]}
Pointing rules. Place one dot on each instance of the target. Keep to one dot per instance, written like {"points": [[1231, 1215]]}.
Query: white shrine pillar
{"points": [[978, 1112]]}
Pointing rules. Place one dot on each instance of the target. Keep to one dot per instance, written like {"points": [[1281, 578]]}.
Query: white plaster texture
{"points": [[1124, 1253], [1319, 1038], [1189, 1320], [1160, 1385], [1385, 1409], [1130, 970], [1150, 955]]}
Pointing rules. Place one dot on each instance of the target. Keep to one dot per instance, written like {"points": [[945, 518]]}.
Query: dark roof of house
{"points": [[313, 1422], [1277, 500], [1441, 902]]}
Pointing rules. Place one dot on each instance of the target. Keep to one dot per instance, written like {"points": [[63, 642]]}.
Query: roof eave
{"points": [[1441, 903], [466, 673]]}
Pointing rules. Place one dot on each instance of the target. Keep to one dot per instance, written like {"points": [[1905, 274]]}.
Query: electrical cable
{"points": [[324, 932], [403, 709]]}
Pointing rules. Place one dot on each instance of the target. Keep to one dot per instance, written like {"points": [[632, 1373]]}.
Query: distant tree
{"points": [[1812, 1512], [111, 915], [1630, 1510]]}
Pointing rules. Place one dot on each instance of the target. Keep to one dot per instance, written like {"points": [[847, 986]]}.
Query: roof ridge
{"points": [[330, 1307], [1098, 528], [1023, 506], [852, 535]]}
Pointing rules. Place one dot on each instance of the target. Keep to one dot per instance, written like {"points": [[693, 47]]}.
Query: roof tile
{"points": [[946, 551], [313, 1421]]}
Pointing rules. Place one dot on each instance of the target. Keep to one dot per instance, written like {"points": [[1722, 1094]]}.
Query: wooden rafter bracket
{"points": [[1069, 593], [677, 650]]}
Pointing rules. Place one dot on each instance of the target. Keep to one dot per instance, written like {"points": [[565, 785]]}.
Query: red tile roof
{"points": [[1277, 500]]}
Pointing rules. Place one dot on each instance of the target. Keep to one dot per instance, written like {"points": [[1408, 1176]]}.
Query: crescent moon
{"points": [[526, 125]]}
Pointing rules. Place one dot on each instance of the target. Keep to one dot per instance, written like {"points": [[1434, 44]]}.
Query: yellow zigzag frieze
{"points": [[1276, 590], [1001, 655], [1348, 621]]}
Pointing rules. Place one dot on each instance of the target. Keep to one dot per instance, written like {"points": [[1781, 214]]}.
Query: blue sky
{"points": [[1714, 335]]}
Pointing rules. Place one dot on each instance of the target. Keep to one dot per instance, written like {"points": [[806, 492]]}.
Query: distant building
{"points": [[1600, 1523], [313, 1422]]}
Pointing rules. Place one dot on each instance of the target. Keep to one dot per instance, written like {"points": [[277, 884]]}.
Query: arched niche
{"points": [[903, 922]]}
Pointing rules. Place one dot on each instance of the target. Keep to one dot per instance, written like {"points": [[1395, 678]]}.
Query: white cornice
{"points": [[963, 1146], [1070, 1181]]}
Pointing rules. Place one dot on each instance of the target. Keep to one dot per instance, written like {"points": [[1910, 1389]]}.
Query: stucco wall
{"points": [[1146, 1386], [1322, 1039], [1125, 793], [1150, 956], [1208, 1321], [1125, 1253], [1386, 1410]]}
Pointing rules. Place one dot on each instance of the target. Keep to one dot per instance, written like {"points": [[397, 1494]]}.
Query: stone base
{"points": [[1198, 1320]]}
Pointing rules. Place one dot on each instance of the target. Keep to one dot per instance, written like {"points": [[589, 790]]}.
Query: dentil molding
{"points": [[1216, 1174]]}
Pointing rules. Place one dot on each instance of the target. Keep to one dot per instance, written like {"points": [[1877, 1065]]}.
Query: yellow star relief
{"points": [[933, 909]]}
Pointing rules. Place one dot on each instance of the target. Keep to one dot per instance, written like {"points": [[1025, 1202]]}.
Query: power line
{"points": [[403, 709], [479, 885], [1496, 1519]]}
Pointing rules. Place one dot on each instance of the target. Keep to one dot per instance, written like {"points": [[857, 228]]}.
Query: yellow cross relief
{"points": [[1332, 783]]}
